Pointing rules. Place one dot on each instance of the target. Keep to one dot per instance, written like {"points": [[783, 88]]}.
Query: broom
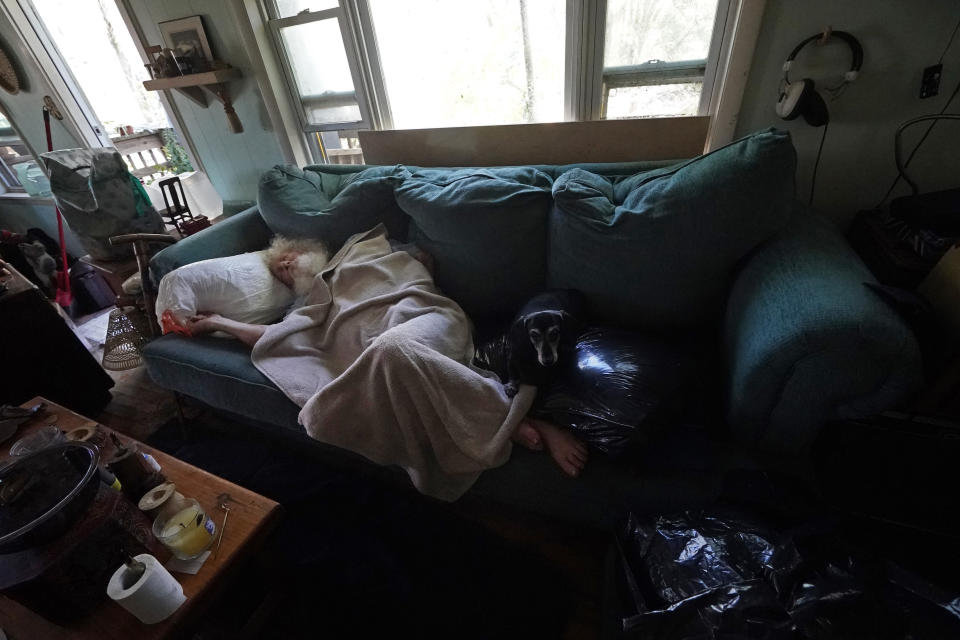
{"points": [[63, 297]]}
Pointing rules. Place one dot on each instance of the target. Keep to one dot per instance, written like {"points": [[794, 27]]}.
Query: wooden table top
{"points": [[252, 516]]}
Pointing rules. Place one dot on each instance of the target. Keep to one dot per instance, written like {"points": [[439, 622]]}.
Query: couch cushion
{"points": [[485, 228], [219, 372], [313, 203], [658, 248]]}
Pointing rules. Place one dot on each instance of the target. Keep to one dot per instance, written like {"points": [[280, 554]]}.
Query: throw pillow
{"points": [[486, 230], [237, 287], [659, 248], [313, 203]]}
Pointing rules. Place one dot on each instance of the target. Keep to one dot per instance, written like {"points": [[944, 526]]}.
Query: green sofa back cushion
{"points": [[486, 230], [658, 249], [330, 206]]}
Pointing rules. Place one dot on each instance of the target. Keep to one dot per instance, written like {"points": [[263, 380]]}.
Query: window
{"points": [[449, 64], [434, 63], [13, 152], [327, 92], [91, 43], [19, 171], [655, 57], [88, 57]]}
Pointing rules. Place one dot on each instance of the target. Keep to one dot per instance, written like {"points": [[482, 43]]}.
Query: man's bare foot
{"points": [[566, 450], [527, 436]]}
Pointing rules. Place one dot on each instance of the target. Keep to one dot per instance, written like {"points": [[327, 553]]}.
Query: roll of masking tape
{"points": [[153, 597], [162, 500], [90, 432]]}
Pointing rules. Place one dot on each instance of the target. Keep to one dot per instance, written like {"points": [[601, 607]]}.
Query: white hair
{"points": [[311, 259], [282, 244]]}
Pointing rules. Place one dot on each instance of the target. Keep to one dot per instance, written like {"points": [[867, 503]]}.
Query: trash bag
{"points": [[612, 393], [617, 388], [718, 574]]}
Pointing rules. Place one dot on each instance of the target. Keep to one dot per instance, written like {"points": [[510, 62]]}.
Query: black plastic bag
{"points": [[613, 391], [699, 575]]}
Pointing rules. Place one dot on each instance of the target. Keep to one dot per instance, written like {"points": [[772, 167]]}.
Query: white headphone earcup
{"points": [[789, 99]]}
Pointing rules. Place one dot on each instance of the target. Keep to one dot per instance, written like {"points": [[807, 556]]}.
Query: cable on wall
{"points": [[816, 164], [923, 138], [896, 181]]}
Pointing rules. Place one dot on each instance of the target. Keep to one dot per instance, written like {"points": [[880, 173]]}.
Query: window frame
{"points": [[79, 117], [359, 95], [586, 81], [8, 179], [652, 74], [9, 182]]}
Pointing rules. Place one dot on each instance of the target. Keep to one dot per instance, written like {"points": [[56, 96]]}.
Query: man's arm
{"points": [[243, 331]]}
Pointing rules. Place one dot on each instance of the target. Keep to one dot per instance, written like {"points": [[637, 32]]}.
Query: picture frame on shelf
{"points": [[188, 40]]}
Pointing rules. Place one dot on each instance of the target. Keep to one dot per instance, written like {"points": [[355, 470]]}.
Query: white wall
{"points": [[899, 39]]}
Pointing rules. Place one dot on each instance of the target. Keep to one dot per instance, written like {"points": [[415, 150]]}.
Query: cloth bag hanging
{"points": [[100, 198]]}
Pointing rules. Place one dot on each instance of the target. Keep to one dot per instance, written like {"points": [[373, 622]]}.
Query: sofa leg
{"points": [[181, 418]]}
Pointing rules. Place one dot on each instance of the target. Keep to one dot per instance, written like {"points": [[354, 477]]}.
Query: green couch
{"points": [[716, 246]]}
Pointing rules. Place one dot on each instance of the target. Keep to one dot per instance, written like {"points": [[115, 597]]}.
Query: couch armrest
{"points": [[806, 341], [240, 233]]}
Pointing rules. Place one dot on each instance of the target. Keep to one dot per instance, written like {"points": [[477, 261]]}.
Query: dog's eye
{"points": [[553, 333], [535, 333]]}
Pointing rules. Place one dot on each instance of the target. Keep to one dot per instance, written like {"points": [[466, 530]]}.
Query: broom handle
{"points": [[64, 275]]}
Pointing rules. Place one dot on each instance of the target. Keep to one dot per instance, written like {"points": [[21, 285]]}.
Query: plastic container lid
{"points": [[36, 441]]}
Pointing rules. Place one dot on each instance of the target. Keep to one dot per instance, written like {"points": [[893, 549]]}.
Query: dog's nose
{"points": [[546, 360]]}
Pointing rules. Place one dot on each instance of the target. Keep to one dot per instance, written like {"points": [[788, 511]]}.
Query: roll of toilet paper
{"points": [[153, 597]]}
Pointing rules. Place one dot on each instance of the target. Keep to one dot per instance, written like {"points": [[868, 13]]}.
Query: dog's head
{"points": [[543, 330]]}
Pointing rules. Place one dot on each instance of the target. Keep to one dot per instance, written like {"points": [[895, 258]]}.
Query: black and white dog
{"points": [[542, 335]]}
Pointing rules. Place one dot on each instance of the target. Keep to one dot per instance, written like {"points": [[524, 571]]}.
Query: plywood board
{"points": [[550, 143]]}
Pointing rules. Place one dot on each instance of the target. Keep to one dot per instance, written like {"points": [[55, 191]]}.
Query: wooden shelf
{"points": [[193, 79], [192, 86]]}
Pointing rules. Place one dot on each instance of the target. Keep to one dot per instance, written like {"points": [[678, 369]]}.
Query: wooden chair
{"points": [[177, 210], [141, 252]]}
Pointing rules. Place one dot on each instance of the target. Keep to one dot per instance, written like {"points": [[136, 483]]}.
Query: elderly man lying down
{"points": [[379, 362]]}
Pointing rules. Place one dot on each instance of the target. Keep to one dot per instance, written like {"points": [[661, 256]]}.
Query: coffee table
{"points": [[252, 517]]}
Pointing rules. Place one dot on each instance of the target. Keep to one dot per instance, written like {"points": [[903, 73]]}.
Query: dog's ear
{"points": [[572, 327], [518, 332]]}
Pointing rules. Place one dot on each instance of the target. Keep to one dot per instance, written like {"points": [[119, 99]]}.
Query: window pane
{"points": [[654, 100], [321, 71], [18, 169], [639, 31], [451, 64], [97, 47], [287, 8]]}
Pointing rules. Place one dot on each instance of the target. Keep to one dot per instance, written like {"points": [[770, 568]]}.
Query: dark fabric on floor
{"points": [[362, 559]]}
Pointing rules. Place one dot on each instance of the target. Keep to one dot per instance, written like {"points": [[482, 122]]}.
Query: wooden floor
{"points": [[139, 407]]}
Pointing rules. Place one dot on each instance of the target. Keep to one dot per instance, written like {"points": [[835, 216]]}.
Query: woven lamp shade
{"points": [[121, 349]]}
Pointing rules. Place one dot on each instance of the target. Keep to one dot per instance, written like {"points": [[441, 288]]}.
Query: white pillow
{"points": [[237, 287]]}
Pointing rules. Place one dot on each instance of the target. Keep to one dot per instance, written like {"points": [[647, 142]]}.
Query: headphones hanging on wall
{"points": [[801, 98]]}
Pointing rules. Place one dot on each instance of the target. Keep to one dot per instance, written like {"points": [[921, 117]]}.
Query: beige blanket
{"points": [[379, 362]]}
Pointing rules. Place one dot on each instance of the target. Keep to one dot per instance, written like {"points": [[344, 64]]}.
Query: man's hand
{"points": [[245, 332], [204, 323]]}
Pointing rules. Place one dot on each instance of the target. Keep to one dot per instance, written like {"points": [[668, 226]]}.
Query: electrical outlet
{"points": [[930, 84]]}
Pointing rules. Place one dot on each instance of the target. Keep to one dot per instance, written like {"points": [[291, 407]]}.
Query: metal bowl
{"points": [[41, 494]]}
